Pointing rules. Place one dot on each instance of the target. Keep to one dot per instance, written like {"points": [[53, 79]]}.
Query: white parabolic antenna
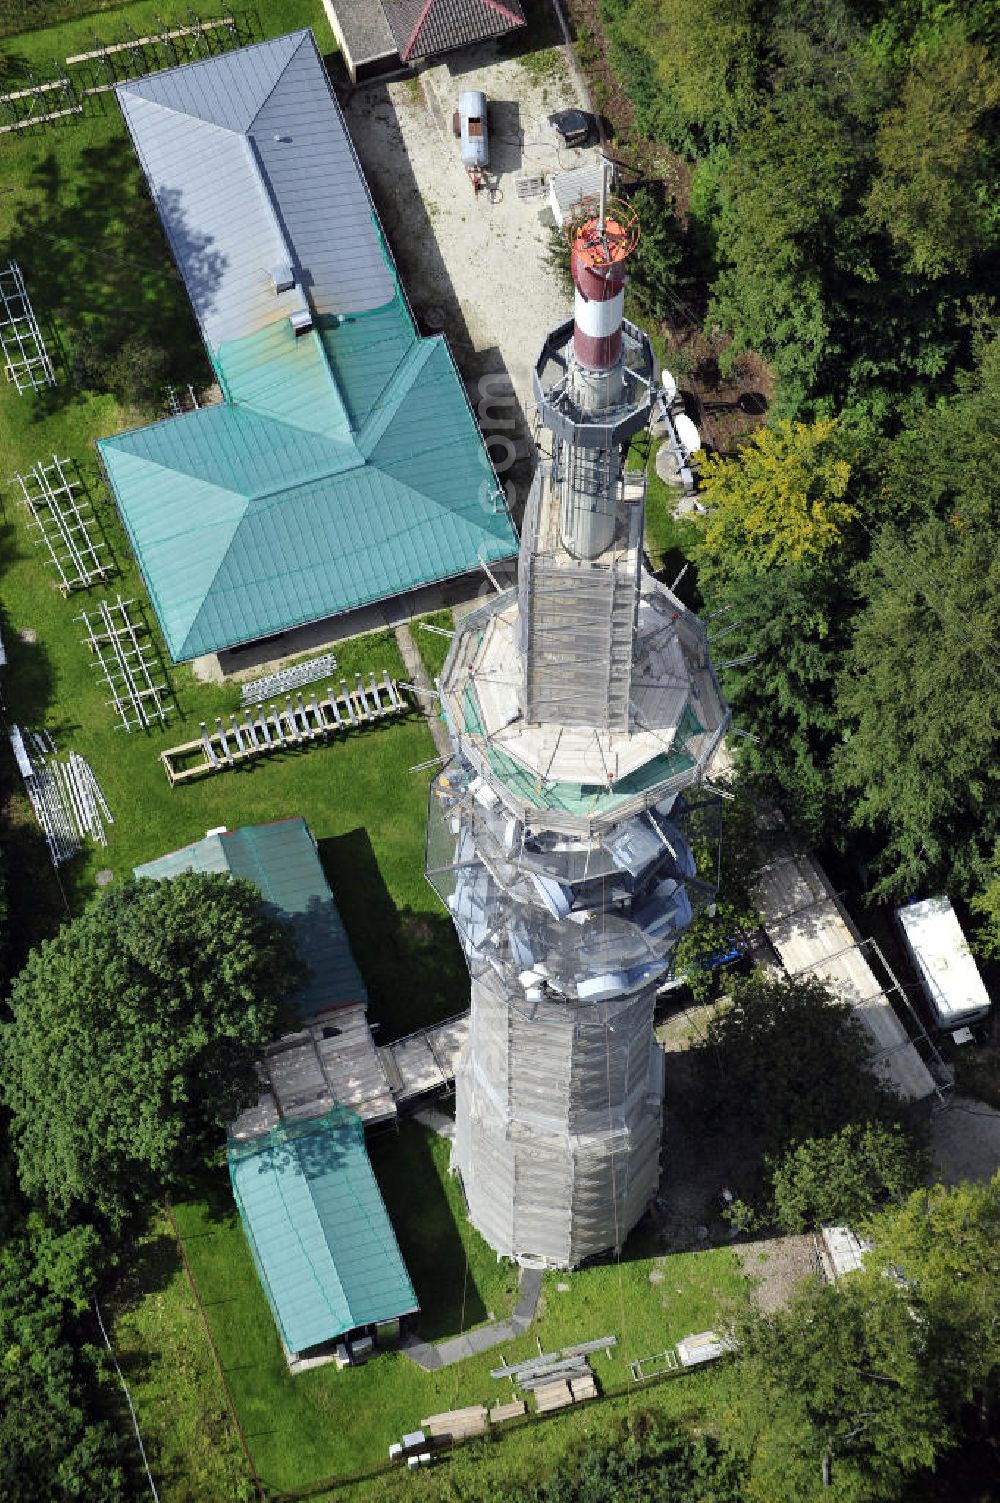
{"points": [[687, 433]]}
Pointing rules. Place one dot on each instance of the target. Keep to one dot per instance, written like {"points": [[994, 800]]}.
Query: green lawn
{"points": [[327, 1425], [433, 648], [77, 22], [159, 1340]]}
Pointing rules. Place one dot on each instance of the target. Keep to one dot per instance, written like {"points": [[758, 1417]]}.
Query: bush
{"points": [[845, 1176]]}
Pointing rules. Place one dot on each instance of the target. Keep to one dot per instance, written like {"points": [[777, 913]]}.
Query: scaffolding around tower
{"points": [[583, 709]]}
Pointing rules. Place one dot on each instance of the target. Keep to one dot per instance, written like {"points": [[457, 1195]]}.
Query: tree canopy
{"points": [[844, 1176], [837, 1387], [133, 1035], [782, 502]]}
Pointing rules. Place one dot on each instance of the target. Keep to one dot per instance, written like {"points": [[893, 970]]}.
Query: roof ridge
{"points": [[288, 63], [171, 109], [390, 398], [421, 23], [132, 86]]}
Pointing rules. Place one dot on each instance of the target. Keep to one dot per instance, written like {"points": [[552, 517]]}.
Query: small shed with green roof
{"points": [[319, 1232], [281, 860]]}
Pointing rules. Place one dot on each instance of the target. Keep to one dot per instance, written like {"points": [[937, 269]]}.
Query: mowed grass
{"points": [[159, 1340], [432, 646], [326, 1425]]}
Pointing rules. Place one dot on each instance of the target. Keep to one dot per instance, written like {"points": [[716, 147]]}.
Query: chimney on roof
{"points": [[301, 320], [283, 278]]}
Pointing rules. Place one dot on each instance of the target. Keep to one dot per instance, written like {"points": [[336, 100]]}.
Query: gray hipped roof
{"points": [[251, 168]]}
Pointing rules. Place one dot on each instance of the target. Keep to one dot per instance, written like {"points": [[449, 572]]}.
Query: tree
{"points": [[51, 1448], [690, 66], [657, 258], [133, 1036], [789, 1058], [920, 700], [788, 634], [786, 200], [933, 193], [649, 1458], [835, 1400], [780, 502], [844, 1176], [945, 1244]]}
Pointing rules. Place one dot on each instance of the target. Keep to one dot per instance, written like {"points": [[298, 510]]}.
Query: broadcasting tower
{"points": [[583, 708]]}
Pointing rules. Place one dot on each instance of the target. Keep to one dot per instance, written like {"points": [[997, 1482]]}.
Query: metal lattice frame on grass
{"points": [[258, 689], [125, 660], [62, 522], [256, 732], [65, 796], [38, 102], [25, 358], [108, 64]]}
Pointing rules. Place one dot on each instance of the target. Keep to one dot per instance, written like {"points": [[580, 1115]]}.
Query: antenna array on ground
{"points": [[65, 796], [38, 102], [133, 56], [25, 360], [258, 689], [62, 522], [125, 660]]}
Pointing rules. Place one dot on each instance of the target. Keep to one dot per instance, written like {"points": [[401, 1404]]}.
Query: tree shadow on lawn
{"points": [[89, 242], [411, 962], [147, 1268]]}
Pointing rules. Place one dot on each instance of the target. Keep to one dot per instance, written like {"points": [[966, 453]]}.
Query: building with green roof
{"points": [[322, 1242], [282, 861], [344, 464]]}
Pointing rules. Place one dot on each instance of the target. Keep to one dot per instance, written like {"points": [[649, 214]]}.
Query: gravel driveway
{"points": [[475, 265]]}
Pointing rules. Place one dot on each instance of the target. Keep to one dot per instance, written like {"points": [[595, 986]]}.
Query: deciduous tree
{"points": [[782, 501], [133, 1033], [836, 1401], [844, 1176], [933, 193]]}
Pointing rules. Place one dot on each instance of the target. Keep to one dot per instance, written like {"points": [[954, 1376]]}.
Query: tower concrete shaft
{"points": [[583, 709]]}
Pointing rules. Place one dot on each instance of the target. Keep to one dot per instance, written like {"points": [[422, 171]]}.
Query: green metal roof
{"points": [[344, 466], [282, 861], [321, 1239]]}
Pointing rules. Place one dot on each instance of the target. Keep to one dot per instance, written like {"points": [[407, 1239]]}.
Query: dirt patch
{"points": [[775, 1267]]}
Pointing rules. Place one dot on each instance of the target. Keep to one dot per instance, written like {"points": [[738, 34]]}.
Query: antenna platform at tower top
{"points": [[599, 245]]}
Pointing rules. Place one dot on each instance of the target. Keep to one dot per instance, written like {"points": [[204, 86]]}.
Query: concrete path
{"points": [[428, 701], [457, 1348]]}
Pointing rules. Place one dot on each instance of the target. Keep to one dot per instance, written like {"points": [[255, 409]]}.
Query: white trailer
{"points": [[944, 963]]}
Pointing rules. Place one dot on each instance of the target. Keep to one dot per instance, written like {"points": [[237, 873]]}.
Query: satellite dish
{"points": [[687, 432], [669, 387]]}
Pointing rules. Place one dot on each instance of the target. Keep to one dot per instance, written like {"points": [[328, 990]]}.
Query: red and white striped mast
{"points": [[600, 245]]}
